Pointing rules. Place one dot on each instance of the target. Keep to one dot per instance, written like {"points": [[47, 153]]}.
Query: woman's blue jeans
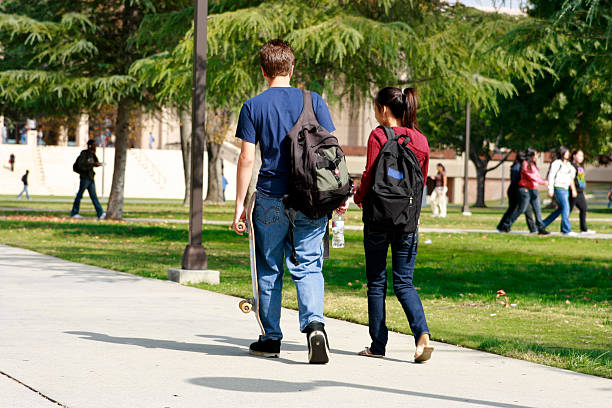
{"points": [[562, 197], [273, 249], [404, 248]]}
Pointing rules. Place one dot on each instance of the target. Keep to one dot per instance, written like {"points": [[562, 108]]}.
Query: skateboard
{"points": [[251, 304]]}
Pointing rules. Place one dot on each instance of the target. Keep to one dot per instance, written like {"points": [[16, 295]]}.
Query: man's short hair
{"points": [[91, 142], [276, 58]]}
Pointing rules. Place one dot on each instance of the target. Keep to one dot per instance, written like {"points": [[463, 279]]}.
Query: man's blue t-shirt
{"points": [[266, 119]]}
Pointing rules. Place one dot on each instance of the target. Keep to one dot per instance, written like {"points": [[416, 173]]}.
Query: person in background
{"points": [[580, 183], [24, 180], [151, 140], [397, 109], [528, 193], [23, 135], [560, 185], [87, 161], [438, 196], [12, 162], [514, 197], [610, 197]]}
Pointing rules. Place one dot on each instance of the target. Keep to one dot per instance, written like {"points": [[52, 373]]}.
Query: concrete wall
{"points": [[149, 173]]}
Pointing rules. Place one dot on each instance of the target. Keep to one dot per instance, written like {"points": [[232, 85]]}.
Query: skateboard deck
{"points": [[252, 304]]}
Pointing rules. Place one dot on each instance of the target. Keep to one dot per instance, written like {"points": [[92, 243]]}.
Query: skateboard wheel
{"points": [[245, 306]]}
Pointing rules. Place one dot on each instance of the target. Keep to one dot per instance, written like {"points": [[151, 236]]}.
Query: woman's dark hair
{"points": [[561, 152], [441, 165], [403, 104], [530, 154], [575, 152], [520, 157]]}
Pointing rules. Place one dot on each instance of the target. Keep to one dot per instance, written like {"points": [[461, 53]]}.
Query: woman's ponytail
{"points": [[411, 101], [403, 104]]}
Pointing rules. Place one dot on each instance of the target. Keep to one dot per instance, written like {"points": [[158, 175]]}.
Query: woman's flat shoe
{"points": [[367, 353], [424, 355]]}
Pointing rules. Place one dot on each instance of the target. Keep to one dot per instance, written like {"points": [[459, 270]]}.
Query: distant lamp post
{"points": [[466, 207], [195, 261]]}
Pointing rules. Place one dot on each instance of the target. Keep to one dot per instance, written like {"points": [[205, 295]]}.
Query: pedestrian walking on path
{"points": [[528, 193], [84, 166], [12, 162], [24, 180], [580, 183], [265, 120], [560, 185], [438, 196], [396, 110], [514, 198]]}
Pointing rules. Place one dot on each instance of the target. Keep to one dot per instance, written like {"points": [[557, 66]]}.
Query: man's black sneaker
{"points": [[543, 232], [318, 346], [266, 348]]}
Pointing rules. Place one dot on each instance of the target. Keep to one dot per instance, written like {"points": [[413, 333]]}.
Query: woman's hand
{"points": [[342, 209]]}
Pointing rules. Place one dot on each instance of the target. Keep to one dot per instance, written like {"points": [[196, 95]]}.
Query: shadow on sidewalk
{"points": [[239, 349], [286, 346], [258, 385]]}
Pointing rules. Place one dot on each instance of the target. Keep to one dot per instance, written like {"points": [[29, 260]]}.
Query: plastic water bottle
{"points": [[337, 232]]}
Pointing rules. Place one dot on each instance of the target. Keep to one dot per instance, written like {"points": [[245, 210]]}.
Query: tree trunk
{"points": [[185, 118], [115, 199], [214, 193], [481, 176]]}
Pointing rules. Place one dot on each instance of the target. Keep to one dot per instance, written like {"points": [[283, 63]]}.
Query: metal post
{"points": [[466, 207], [503, 182], [194, 256]]}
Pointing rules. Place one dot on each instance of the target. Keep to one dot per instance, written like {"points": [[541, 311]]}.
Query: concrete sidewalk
{"points": [[80, 336]]}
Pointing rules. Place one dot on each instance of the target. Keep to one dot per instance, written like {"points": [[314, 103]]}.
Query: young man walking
{"points": [[265, 120], [86, 162], [24, 180]]}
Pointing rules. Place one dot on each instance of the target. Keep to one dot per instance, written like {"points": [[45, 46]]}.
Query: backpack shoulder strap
{"points": [[308, 114], [389, 132]]}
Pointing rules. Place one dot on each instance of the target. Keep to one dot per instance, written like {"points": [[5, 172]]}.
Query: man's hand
{"points": [[342, 209], [574, 193], [239, 224], [551, 195]]}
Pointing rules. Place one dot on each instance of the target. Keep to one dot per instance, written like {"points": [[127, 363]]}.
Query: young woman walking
{"points": [[438, 196], [528, 193], [397, 109], [514, 197], [580, 183], [560, 185]]}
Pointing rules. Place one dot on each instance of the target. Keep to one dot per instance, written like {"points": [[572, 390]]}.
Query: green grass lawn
{"points": [[483, 218], [561, 286]]}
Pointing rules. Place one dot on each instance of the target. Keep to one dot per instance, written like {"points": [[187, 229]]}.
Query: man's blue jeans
{"points": [[273, 249], [89, 185], [562, 197], [404, 252]]}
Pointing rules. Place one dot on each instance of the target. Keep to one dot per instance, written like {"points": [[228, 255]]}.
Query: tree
{"points": [[65, 57], [574, 105], [345, 50]]}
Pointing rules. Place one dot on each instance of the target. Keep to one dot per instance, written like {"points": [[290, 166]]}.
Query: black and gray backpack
{"points": [[394, 201], [319, 181]]}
